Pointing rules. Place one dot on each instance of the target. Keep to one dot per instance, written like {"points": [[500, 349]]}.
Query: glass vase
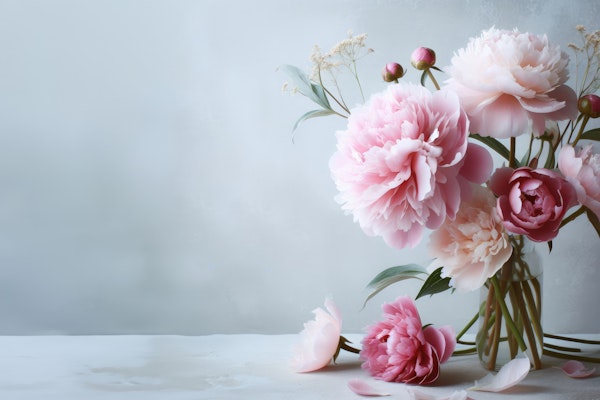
{"points": [[510, 315]]}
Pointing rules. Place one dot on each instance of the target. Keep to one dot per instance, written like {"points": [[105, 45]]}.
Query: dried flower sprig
{"points": [[342, 57], [587, 61], [322, 86]]}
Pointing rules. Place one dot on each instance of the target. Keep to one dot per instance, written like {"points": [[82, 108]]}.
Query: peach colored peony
{"points": [[473, 246], [397, 164], [510, 83], [532, 202], [319, 340], [398, 349], [582, 169]]}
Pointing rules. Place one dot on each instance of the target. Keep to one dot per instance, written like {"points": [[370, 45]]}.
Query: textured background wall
{"points": [[149, 183]]}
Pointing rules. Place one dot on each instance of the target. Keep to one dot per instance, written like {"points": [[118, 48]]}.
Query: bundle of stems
{"points": [[510, 317]]}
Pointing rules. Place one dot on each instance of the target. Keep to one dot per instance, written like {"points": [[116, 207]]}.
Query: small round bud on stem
{"points": [[422, 58], [589, 105], [392, 72]]}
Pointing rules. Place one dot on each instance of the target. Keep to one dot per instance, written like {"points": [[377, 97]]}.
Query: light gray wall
{"points": [[149, 183]]}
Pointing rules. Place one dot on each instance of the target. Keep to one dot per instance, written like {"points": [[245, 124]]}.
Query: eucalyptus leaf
{"points": [[312, 114], [434, 284], [593, 134], [392, 275], [494, 144], [313, 91]]}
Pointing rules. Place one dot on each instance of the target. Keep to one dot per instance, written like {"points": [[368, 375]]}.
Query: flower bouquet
{"points": [[413, 159]]}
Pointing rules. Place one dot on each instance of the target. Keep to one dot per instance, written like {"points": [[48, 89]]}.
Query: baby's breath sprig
{"points": [[322, 86], [587, 61]]}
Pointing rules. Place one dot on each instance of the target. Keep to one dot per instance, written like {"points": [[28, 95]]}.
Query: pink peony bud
{"points": [[589, 105], [422, 58], [392, 72]]}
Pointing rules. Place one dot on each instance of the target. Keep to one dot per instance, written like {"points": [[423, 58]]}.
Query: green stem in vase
{"points": [[534, 307], [506, 313], [494, 342], [527, 323], [512, 343]]}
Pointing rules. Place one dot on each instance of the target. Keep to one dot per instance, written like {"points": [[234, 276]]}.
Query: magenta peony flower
{"points": [[532, 202], [398, 349], [474, 246], [397, 165], [319, 340], [510, 83], [582, 170]]}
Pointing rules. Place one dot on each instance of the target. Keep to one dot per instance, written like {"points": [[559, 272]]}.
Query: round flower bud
{"points": [[589, 105], [392, 72], [422, 58]]}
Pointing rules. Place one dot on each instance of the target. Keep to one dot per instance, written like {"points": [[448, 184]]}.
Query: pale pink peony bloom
{"points": [[582, 170], [510, 83], [532, 202], [398, 349], [319, 340], [397, 165], [474, 246]]}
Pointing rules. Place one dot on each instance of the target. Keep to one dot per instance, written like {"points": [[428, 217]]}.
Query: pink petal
{"points": [[509, 375], [478, 164], [435, 338], [362, 388], [450, 336], [499, 183], [576, 369]]}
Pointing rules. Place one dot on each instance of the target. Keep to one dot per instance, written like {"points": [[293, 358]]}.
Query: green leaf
{"points": [[593, 220], [312, 90], [312, 114], [434, 284], [423, 77], [494, 144], [593, 134], [392, 275]]}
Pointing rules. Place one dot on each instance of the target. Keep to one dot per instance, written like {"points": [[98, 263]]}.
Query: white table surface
{"points": [[225, 367]]}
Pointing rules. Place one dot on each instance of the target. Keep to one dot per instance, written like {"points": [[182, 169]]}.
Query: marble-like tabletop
{"points": [[226, 367]]}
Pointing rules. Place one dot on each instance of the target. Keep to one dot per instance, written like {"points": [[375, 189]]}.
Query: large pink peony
{"points": [[582, 169], [510, 83], [398, 349], [397, 165], [532, 202], [474, 246], [319, 339]]}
